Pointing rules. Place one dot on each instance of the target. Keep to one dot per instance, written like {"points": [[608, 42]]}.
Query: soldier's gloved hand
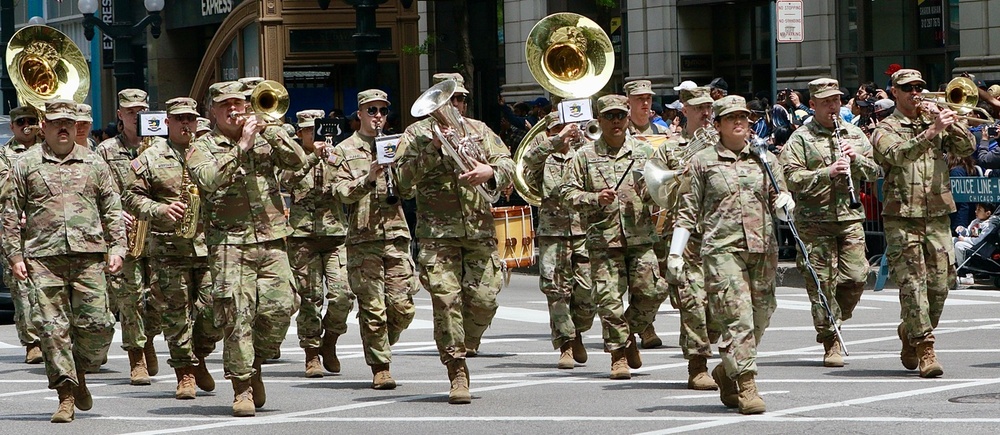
{"points": [[675, 269], [783, 206]]}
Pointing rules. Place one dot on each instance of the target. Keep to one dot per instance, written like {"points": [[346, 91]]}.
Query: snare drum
{"points": [[515, 235]]}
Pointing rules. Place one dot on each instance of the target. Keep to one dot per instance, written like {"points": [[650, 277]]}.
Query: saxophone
{"points": [[136, 236], [187, 227]]}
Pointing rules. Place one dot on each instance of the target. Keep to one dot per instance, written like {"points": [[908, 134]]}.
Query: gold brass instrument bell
{"points": [[962, 96], [44, 64], [269, 102]]}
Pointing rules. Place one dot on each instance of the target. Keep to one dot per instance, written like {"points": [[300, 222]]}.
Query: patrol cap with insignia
{"points": [[84, 113], [729, 104], [22, 112], [249, 83], [60, 109], [181, 106], [552, 120], [612, 102], [132, 98], [905, 76], [204, 124], [639, 87], [223, 91], [372, 95], [822, 88], [307, 118], [696, 96], [440, 77]]}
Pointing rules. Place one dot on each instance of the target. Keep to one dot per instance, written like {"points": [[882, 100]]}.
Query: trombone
{"points": [[268, 103], [962, 96]]}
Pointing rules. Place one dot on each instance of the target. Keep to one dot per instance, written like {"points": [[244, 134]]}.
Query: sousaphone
{"points": [[44, 64]]}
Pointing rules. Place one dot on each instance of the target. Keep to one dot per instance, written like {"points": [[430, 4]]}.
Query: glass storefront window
{"points": [[847, 28], [251, 51], [230, 62]]}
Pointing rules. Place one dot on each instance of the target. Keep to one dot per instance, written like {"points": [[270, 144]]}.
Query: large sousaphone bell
{"points": [[44, 64]]}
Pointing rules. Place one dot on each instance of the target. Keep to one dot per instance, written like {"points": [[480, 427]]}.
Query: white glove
{"points": [[783, 206], [675, 269]]}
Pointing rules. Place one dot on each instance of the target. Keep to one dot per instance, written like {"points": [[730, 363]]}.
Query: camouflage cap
{"points": [[372, 95], [639, 87], [84, 113], [905, 76], [729, 104], [249, 83], [132, 98], [440, 77], [204, 124], [307, 118], [822, 88], [612, 102], [223, 91], [696, 96], [182, 105], [552, 120], [23, 112], [60, 109]]}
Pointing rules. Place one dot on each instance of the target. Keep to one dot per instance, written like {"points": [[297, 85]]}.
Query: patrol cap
{"points": [[372, 95], [60, 109], [223, 91], [204, 125], [22, 112], [132, 98], [822, 88], [182, 105], [553, 120], [460, 88], [686, 84], [249, 83], [696, 96], [612, 102], [729, 104], [84, 113], [639, 87], [905, 76], [307, 118]]}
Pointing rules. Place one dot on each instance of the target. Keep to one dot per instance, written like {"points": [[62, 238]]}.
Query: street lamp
{"points": [[122, 33], [366, 41]]}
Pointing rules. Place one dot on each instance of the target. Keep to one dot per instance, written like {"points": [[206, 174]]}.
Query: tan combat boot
{"points": [[257, 384], [632, 353], [566, 356], [579, 350], [185, 383], [137, 365], [458, 374], [619, 367], [698, 378], [833, 355], [328, 350], [929, 365], [243, 399], [727, 388], [65, 412], [749, 401], [33, 353], [149, 352], [381, 378], [649, 338], [314, 369], [81, 395], [908, 355], [202, 377]]}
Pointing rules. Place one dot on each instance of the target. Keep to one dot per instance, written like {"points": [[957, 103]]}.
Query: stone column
{"points": [[519, 17], [980, 42]]}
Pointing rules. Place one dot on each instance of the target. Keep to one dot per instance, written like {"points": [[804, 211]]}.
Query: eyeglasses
{"points": [[186, 117], [373, 110], [910, 88], [26, 121], [736, 117], [460, 98], [62, 122], [613, 116]]}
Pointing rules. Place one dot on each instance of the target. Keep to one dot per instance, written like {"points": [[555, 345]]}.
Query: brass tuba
{"points": [[570, 56], [44, 64]]}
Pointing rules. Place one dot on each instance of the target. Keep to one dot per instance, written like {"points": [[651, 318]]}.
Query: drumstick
{"points": [[625, 174]]}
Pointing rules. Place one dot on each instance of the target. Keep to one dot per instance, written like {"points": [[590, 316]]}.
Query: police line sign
{"points": [[975, 189]]}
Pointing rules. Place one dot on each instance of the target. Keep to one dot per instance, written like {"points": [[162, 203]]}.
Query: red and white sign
{"points": [[790, 25]]}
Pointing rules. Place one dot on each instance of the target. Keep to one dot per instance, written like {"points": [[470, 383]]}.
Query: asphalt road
{"points": [[517, 389]]}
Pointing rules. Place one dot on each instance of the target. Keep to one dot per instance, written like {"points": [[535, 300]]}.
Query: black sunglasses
{"points": [[910, 88], [26, 121], [460, 98], [373, 110], [185, 117], [616, 115]]}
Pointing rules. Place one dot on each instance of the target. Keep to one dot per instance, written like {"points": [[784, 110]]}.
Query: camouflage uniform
{"points": [[180, 277], [378, 250], [564, 263], [27, 332], [73, 219], [830, 229]]}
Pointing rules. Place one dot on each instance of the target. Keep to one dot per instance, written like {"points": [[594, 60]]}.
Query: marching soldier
{"points": [[137, 310], [818, 162], [234, 167], [911, 145], [564, 263], [620, 235], [640, 103], [84, 122], [62, 256], [460, 265], [378, 240], [317, 251], [179, 263]]}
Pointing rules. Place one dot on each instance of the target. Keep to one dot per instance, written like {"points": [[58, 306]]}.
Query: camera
{"points": [[992, 131]]}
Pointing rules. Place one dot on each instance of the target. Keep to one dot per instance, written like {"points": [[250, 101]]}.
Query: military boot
{"points": [[908, 355], [579, 350], [929, 365], [149, 352], [749, 401], [566, 356], [727, 388], [328, 350], [458, 374], [257, 384], [381, 378], [698, 378], [619, 366], [833, 355], [185, 383], [314, 369], [243, 400], [65, 412], [649, 338], [81, 394], [632, 353], [33, 353], [202, 377], [137, 364]]}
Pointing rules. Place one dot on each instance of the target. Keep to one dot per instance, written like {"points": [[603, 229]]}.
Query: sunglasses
{"points": [[185, 117], [614, 116], [26, 121], [460, 98], [373, 110], [910, 88]]}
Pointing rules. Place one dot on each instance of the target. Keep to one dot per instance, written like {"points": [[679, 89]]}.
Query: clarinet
{"points": [[855, 204], [391, 197]]}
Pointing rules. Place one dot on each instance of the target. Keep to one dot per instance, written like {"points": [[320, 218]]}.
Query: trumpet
{"points": [[854, 204], [391, 197]]}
